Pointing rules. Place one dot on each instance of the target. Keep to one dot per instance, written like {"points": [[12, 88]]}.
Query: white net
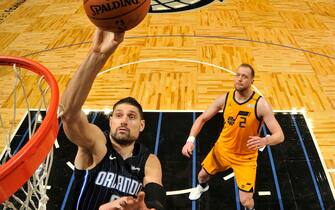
{"points": [[33, 194]]}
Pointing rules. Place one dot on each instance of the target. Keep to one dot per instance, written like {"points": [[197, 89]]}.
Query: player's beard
{"points": [[123, 139], [240, 89]]}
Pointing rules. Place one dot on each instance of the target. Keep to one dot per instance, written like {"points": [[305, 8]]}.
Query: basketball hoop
{"points": [[20, 167]]}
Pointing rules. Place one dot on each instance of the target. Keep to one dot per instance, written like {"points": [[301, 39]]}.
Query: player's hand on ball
{"points": [[106, 42]]}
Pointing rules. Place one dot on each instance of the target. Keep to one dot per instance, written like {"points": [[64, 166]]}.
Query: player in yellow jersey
{"points": [[244, 111]]}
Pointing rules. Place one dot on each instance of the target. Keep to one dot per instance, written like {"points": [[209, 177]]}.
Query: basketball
{"points": [[116, 15]]}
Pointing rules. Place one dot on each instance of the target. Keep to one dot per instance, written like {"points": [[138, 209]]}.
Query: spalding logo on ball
{"points": [[116, 15]]}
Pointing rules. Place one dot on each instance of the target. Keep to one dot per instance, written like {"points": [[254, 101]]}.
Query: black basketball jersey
{"points": [[113, 177]]}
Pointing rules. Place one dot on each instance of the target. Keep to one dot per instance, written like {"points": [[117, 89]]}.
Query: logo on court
{"points": [[177, 6], [5, 13]]}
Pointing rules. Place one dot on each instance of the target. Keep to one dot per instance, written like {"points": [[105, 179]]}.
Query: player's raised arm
{"points": [[76, 126]]}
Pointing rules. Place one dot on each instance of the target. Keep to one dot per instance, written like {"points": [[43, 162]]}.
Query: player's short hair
{"points": [[131, 101], [245, 65]]}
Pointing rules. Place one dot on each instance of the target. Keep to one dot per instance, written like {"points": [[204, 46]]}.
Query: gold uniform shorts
{"points": [[244, 166]]}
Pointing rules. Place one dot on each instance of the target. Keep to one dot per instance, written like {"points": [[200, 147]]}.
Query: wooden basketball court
{"points": [[173, 60]]}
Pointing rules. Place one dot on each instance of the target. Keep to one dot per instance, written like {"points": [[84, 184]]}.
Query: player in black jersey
{"points": [[111, 167]]}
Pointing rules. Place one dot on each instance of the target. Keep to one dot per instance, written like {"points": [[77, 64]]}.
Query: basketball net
{"points": [[32, 194]]}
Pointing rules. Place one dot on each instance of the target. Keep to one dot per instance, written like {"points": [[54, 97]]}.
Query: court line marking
{"points": [[166, 59], [237, 196], [158, 132], [191, 36], [317, 147], [56, 143], [309, 164], [229, 176], [178, 192], [173, 59], [68, 163], [264, 193], [185, 191], [274, 171]]}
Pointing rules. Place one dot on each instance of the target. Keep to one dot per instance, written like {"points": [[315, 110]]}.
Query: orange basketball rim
{"points": [[16, 171]]}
